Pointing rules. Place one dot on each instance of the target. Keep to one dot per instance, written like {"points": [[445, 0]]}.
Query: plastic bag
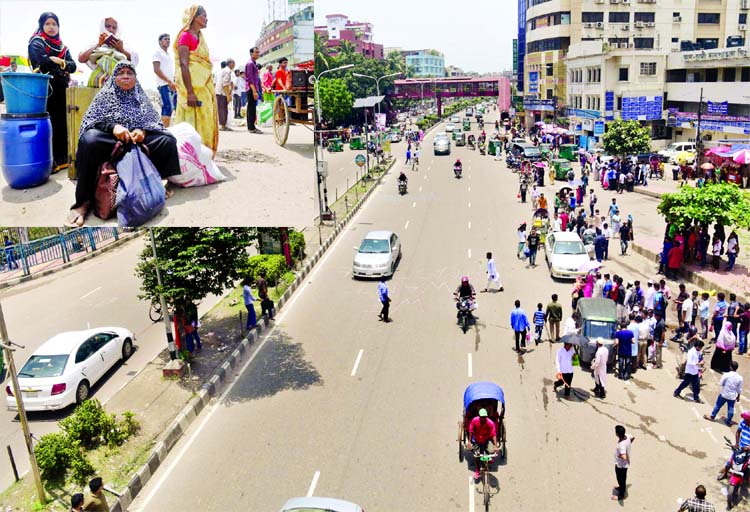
{"points": [[196, 165], [140, 193]]}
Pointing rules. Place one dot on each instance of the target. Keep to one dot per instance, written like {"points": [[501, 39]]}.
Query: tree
{"points": [[322, 55], [335, 100], [627, 138], [194, 262], [722, 203]]}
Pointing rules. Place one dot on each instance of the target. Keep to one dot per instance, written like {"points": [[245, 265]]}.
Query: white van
{"points": [[669, 153]]}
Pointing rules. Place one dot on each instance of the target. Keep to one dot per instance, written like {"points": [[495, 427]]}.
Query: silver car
{"points": [[377, 255], [565, 255], [314, 504], [442, 144]]}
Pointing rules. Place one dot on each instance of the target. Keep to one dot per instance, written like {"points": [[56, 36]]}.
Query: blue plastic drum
{"points": [[25, 149]]}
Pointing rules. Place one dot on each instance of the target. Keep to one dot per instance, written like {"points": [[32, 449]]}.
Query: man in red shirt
{"points": [[481, 431], [674, 260]]}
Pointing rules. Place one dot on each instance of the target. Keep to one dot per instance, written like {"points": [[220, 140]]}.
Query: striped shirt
{"points": [[744, 430], [538, 317]]}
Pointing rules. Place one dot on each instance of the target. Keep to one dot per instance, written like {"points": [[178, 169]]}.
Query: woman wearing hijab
{"points": [[49, 55], [104, 53], [725, 343], [196, 101], [121, 111]]}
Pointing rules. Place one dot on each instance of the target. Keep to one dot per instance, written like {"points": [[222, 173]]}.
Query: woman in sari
{"points": [[196, 101], [104, 53], [49, 55], [122, 112], [725, 343]]}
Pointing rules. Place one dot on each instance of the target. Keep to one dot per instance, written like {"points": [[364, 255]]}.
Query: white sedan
{"points": [[450, 127], [63, 370], [565, 254], [316, 504]]}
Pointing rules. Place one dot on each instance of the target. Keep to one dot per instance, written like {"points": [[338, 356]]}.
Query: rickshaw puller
{"points": [[481, 431]]}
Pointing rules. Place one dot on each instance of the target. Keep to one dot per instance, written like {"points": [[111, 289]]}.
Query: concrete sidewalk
{"points": [[267, 185]]}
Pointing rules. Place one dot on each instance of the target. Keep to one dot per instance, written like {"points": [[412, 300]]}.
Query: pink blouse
{"points": [[189, 40]]}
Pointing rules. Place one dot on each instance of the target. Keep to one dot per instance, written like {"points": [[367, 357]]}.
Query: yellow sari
{"points": [[205, 119]]}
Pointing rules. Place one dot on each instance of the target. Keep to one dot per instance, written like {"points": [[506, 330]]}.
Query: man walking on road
{"points": [[492, 275], [698, 503], [692, 372], [532, 244], [385, 300], [254, 88], [564, 365], [599, 369], [731, 388], [624, 344], [622, 462], [553, 315], [520, 324]]}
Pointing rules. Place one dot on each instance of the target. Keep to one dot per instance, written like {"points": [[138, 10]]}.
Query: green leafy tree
{"points": [[336, 100], [723, 203], [194, 262], [627, 138], [322, 56]]}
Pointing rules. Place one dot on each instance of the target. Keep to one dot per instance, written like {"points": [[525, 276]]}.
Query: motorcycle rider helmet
{"points": [[465, 280]]}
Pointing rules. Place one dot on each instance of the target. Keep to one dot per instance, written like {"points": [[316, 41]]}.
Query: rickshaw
{"points": [[471, 141], [564, 195], [460, 138], [294, 106], [467, 124], [561, 167], [488, 396], [569, 152], [540, 221], [335, 145], [356, 143]]}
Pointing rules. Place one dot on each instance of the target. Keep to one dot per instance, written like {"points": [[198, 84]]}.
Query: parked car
{"points": [[377, 255], [450, 127], [669, 153], [316, 504], [441, 144], [565, 254], [597, 318], [64, 368]]}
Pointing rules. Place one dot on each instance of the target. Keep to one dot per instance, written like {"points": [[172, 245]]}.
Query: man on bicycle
{"points": [[482, 430]]}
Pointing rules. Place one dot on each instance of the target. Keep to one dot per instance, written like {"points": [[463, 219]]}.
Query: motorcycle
{"points": [[482, 148], [465, 306], [737, 472], [402, 187], [457, 169]]}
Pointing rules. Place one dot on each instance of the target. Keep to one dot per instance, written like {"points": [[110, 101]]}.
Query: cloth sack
{"points": [[107, 181], [140, 194], [196, 166]]}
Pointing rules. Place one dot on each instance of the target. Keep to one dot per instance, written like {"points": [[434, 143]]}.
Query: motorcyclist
{"points": [[458, 165], [402, 177], [741, 442], [464, 291]]}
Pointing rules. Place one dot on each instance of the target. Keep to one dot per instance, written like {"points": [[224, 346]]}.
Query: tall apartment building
{"points": [[425, 62], [291, 38], [340, 28], [608, 58]]}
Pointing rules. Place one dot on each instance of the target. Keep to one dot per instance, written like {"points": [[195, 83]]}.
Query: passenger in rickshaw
{"points": [[482, 430]]}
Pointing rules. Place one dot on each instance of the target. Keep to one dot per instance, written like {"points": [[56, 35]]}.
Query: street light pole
{"points": [[163, 301], [698, 139], [322, 198], [6, 344]]}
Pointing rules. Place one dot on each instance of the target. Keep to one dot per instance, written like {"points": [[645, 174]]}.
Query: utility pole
{"points": [[163, 302], [698, 139], [6, 344]]}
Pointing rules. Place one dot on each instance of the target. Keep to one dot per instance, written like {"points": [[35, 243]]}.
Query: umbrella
{"points": [[574, 339], [707, 166], [716, 150], [538, 164], [589, 266], [743, 157]]}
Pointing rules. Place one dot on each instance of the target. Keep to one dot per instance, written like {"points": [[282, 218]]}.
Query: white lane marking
{"points": [[406, 226], [469, 362], [469, 205], [414, 204], [695, 411], [425, 176], [711, 435], [420, 189], [469, 253], [469, 189], [469, 224], [90, 293], [313, 484], [471, 494], [171, 465], [356, 362]]}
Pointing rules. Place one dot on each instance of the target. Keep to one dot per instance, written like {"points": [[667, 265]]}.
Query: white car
{"points": [[455, 119], [64, 368], [565, 254], [670, 153], [316, 504], [450, 127], [441, 144], [377, 255]]}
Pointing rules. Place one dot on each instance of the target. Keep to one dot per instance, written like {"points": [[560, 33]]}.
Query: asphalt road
{"points": [[99, 292], [335, 403]]}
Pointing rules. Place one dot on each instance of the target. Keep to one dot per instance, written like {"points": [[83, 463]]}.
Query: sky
{"points": [[233, 26], [475, 36]]}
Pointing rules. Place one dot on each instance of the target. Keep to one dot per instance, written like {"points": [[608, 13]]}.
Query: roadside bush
{"points": [[297, 244], [87, 424], [80, 468], [54, 453], [273, 264]]}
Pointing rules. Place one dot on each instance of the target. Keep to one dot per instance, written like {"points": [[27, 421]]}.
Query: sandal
{"points": [[74, 219], [168, 192]]}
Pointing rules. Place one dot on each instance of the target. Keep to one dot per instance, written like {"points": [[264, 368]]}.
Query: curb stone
{"points": [[212, 388], [125, 237]]}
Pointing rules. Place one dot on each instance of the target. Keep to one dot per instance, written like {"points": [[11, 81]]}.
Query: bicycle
{"points": [[154, 311], [484, 470]]}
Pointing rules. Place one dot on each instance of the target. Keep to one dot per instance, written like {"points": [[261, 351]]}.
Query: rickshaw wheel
{"points": [[460, 441], [280, 120]]}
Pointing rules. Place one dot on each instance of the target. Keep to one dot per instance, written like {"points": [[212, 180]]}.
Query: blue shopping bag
{"points": [[140, 193]]}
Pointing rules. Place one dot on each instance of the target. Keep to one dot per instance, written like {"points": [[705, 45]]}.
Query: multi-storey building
{"points": [[339, 28], [425, 62], [291, 38]]}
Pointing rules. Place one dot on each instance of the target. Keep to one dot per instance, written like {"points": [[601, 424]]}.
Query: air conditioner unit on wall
{"points": [[744, 4], [676, 19], [614, 1], [589, 25], [614, 45], [650, 24], [625, 1], [624, 45], [743, 27], [625, 28], [638, 24], [599, 24]]}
